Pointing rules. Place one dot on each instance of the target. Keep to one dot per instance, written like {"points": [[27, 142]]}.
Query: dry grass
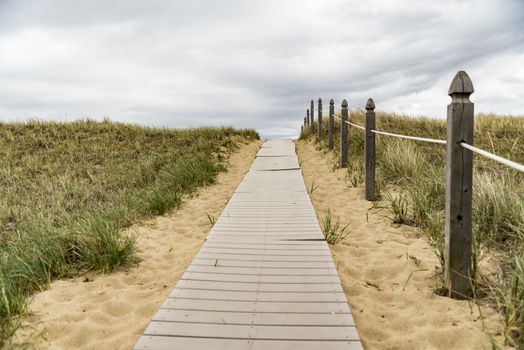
{"points": [[69, 189]]}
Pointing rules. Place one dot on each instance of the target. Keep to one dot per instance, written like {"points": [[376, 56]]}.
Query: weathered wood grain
{"points": [[459, 181], [369, 156], [283, 319], [344, 142], [185, 343], [331, 125], [319, 119]]}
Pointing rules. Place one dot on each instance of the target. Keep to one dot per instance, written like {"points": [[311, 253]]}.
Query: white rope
{"points": [[356, 126], [494, 157], [491, 156], [440, 142]]}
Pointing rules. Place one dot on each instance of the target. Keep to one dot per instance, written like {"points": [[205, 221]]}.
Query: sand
{"points": [[111, 311], [388, 272]]}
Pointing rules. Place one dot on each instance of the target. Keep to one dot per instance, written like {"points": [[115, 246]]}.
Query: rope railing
{"points": [[356, 126], [494, 157], [459, 171], [415, 138], [507, 162], [350, 123]]}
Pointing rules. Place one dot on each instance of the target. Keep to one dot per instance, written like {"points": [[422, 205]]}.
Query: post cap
{"points": [[461, 84], [319, 100], [312, 101], [344, 104], [370, 105], [331, 102]]}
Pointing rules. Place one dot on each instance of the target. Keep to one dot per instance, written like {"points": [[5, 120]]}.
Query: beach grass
{"points": [[412, 175], [70, 190]]}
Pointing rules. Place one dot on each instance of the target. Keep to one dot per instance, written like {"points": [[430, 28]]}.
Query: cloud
{"points": [[253, 63]]}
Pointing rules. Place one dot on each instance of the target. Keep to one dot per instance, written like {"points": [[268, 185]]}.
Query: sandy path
{"points": [[388, 272], [111, 311]]}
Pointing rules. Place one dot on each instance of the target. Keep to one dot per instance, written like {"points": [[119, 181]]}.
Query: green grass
{"points": [[417, 171], [334, 232], [511, 299], [70, 189]]}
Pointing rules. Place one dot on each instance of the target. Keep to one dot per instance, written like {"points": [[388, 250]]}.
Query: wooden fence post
{"points": [[369, 155], [344, 135], [312, 113], [319, 118], [331, 126], [305, 122], [307, 116], [459, 173]]}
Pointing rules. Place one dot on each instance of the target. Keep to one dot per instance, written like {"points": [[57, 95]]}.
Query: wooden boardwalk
{"points": [[265, 278]]}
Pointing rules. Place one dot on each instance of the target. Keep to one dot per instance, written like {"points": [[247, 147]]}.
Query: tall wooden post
{"points": [[369, 155], [319, 118], [305, 122], [307, 116], [344, 135], [331, 126], [459, 173], [312, 113]]}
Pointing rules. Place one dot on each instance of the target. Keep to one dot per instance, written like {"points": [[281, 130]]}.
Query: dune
{"points": [[389, 272], [111, 311]]}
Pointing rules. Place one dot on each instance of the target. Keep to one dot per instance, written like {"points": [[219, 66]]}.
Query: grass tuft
{"points": [[334, 232]]}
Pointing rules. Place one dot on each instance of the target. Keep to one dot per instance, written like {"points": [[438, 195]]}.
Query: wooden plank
{"points": [[265, 252], [268, 231], [262, 257], [251, 331], [170, 315], [278, 242], [170, 343], [291, 238], [264, 225], [264, 287], [266, 264], [261, 271], [258, 215], [311, 297], [270, 246], [225, 238], [276, 233], [261, 279], [264, 221], [251, 306]]}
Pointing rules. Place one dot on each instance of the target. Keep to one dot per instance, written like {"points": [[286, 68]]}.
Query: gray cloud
{"points": [[253, 63]]}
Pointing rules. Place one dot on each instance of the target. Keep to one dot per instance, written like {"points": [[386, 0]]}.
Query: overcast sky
{"points": [[251, 63]]}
